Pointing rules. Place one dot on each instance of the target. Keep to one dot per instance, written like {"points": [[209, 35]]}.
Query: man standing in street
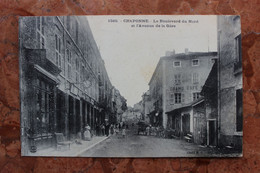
{"points": [[107, 128]]}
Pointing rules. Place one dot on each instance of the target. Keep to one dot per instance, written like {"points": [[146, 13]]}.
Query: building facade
{"points": [[63, 81], [119, 106], [199, 122], [146, 106], [176, 82], [209, 122], [138, 110], [217, 117], [230, 81]]}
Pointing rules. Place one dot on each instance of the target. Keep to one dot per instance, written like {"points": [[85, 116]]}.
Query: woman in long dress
{"points": [[87, 134], [112, 129]]}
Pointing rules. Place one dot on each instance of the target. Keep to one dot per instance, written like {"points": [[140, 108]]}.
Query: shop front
{"points": [[41, 91]]}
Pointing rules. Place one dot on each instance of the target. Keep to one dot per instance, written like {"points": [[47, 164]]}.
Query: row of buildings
{"points": [[200, 93], [64, 84]]}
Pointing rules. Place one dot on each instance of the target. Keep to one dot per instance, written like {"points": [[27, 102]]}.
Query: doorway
{"points": [[71, 118], [212, 132], [60, 112]]}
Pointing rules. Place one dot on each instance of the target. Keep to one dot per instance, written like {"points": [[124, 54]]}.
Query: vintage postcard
{"points": [[131, 86]]}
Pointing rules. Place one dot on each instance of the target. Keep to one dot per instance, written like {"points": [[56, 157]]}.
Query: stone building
{"points": [[230, 82], [176, 82], [218, 118], [199, 122], [208, 117], [146, 106], [137, 109], [119, 106], [63, 81]]}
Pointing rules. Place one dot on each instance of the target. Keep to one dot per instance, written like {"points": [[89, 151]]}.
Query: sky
{"points": [[131, 53]]}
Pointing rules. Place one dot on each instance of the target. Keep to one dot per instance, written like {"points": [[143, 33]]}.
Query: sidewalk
{"points": [[74, 151]]}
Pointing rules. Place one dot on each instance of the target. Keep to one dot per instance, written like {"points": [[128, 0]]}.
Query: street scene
{"points": [[146, 145], [94, 86]]}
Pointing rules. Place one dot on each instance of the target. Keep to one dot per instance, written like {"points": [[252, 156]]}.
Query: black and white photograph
{"points": [[131, 86]]}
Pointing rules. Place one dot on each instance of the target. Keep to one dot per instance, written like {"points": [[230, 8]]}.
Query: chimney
{"points": [[186, 50], [168, 53]]}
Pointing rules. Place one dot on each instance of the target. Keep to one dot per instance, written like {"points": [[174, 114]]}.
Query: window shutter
{"points": [[182, 98]]}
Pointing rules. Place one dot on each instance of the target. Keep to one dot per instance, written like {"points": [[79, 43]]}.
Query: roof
{"points": [[179, 108], [194, 103], [189, 55], [198, 101], [211, 82]]}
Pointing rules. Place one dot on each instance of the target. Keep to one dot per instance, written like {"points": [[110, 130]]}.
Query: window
{"points": [[195, 62], [44, 99], [56, 41], [195, 78], [239, 110], [77, 32], [177, 79], [196, 96], [238, 48], [77, 69], [40, 32], [69, 63], [82, 72], [58, 51], [176, 63], [213, 60], [238, 58], [177, 97], [38, 23], [77, 63], [42, 25]]}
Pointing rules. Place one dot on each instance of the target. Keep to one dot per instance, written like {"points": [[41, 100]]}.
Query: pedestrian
{"points": [[150, 129], [121, 124], [98, 129], [117, 129], [107, 128], [103, 129], [112, 129], [157, 131], [147, 130], [153, 130], [87, 134], [123, 132]]}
